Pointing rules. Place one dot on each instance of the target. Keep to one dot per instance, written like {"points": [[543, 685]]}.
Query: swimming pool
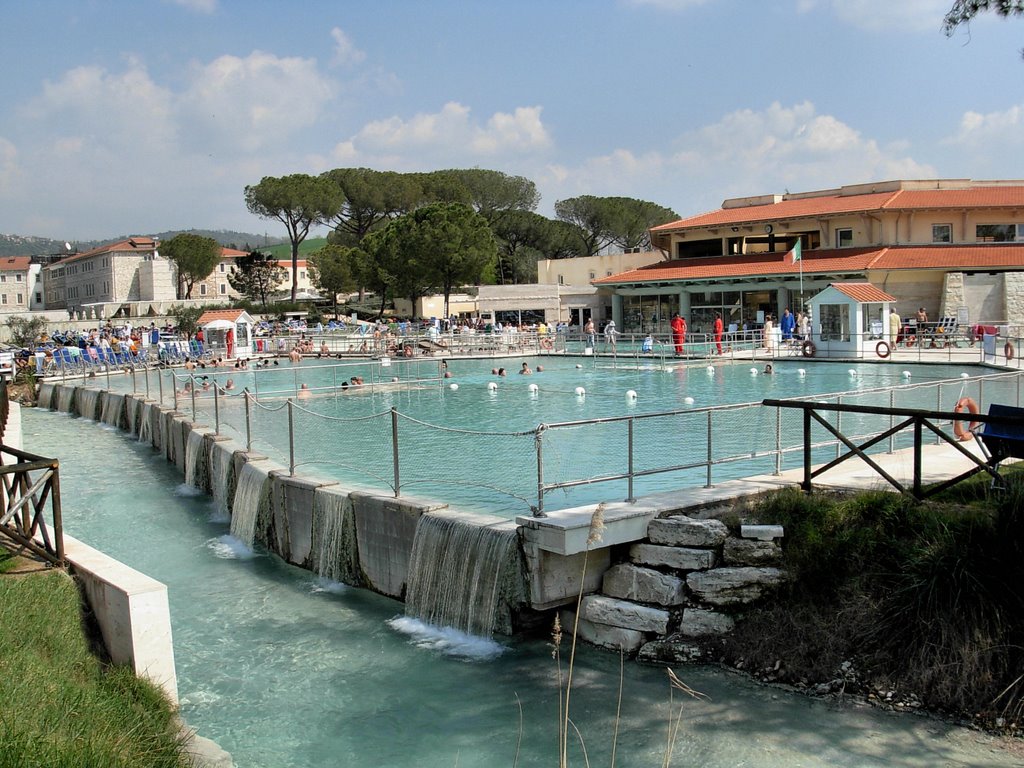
{"points": [[285, 670], [508, 444]]}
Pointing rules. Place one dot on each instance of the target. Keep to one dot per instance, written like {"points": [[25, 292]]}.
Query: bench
{"points": [[1004, 440]]}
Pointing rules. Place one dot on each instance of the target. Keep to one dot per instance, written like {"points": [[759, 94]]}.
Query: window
{"points": [[608, 273], [18, 277], [593, 274], [202, 289], [221, 266], [3, 278], [302, 274], [39, 298], [223, 289], [3, 298], [998, 233], [21, 298], [942, 233], [844, 237], [835, 322]]}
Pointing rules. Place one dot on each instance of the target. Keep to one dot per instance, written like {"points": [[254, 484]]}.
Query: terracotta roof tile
{"points": [[131, 245], [863, 292], [15, 263], [981, 256], [1006, 196], [232, 253], [220, 314]]}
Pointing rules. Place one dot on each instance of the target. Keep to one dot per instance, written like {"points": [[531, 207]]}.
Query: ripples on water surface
{"points": [[285, 669]]}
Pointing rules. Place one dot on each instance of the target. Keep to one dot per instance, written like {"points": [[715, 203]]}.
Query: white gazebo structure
{"points": [[228, 333], [851, 320]]}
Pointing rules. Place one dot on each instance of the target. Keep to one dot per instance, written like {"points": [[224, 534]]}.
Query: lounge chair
{"points": [[1003, 440]]}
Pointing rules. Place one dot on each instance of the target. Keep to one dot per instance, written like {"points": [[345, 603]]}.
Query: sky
{"points": [[128, 117]]}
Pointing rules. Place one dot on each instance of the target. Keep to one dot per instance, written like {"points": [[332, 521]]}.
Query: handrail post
{"points": [[192, 378], [108, 374], [58, 521], [892, 420], [839, 427], [216, 408], [778, 441], [160, 384], [146, 372], [917, 457], [629, 447], [394, 450], [291, 440], [710, 451], [135, 386], [248, 422], [938, 406], [538, 442], [806, 485]]}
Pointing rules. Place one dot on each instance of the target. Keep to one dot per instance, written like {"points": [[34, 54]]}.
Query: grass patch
{"points": [[923, 597], [58, 704]]}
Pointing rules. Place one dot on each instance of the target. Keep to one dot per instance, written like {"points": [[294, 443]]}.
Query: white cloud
{"points": [[746, 152], [885, 15], [443, 137], [248, 103], [996, 130], [200, 6], [8, 168], [345, 51]]}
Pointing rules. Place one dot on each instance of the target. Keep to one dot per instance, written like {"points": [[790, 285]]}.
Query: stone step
{"points": [[643, 585], [623, 613], [677, 558], [604, 635], [686, 532], [733, 586], [750, 552]]}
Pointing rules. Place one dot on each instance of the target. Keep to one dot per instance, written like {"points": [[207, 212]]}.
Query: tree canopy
{"points": [[333, 270], [604, 221], [964, 10], [194, 256], [436, 247], [299, 202], [256, 275], [369, 198]]}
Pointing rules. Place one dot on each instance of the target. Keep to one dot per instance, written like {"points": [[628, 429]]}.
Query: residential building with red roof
{"points": [[15, 290], [952, 246]]}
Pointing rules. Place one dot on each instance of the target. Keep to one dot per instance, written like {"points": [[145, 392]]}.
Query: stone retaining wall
{"points": [[690, 579]]}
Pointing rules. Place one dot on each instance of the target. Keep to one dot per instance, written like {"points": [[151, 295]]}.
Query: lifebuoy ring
{"points": [[407, 351], [1008, 351], [882, 349], [958, 427], [808, 349], [545, 343]]}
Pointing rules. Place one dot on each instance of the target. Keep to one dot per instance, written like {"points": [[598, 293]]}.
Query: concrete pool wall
{"points": [[479, 573]]}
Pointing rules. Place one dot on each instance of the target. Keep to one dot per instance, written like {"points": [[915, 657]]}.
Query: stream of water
{"points": [[284, 668]]}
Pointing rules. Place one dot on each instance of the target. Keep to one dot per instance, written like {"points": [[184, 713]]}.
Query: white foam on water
{"points": [[218, 515], [323, 584], [447, 641], [188, 491], [228, 547]]}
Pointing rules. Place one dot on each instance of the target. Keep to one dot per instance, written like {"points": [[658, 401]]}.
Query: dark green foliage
{"points": [[256, 275], [194, 256], [923, 596]]}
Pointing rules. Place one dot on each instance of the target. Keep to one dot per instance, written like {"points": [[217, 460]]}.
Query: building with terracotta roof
{"points": [[952, 246], [15, 288]]}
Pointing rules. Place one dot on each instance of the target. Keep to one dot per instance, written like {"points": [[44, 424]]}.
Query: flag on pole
{"points": [[796, 251]]}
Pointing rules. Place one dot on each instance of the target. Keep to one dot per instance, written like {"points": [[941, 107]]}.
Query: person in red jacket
{"points": [[678, 325], [718, 329]]}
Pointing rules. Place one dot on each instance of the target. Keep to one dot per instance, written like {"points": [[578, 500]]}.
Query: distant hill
{"points": [[306, 247], [20, 245]]}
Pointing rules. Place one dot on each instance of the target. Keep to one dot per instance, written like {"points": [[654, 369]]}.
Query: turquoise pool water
{"points": [[469, 440], [286, 671]]}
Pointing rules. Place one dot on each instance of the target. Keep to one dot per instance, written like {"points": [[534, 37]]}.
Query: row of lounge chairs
{"points": [[73, 360]]}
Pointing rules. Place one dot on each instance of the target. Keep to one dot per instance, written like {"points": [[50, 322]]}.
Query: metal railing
{"points": [[915, 419], [562, 455]]}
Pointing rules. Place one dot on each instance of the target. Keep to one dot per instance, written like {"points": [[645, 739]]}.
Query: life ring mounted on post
{"points": [[808, 349], [882, 349], [968, 404], [1008, 351], [545, 343]]}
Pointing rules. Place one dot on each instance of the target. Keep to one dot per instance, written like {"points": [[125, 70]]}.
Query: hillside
{"points": [[22, 245]]}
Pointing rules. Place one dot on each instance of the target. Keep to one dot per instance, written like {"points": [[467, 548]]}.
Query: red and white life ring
{"points": [[1008, 351], [882, 349], [545, 343], [968, 404]]}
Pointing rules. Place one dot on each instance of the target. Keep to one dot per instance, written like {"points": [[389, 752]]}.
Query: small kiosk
{"points": [[852, 320], [228, 333]]}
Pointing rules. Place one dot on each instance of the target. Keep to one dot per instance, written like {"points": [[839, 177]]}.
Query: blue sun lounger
{"points": [[1004, 440]]}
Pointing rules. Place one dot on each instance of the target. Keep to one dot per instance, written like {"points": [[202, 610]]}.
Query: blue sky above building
{"points": [[133, 117]]}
